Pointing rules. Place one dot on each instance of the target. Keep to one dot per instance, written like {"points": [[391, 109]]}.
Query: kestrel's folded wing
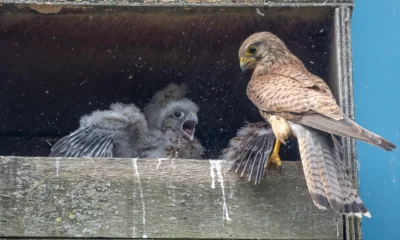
{"points": [[279, 91], [112, 133], [250, 149], [289, 94]]}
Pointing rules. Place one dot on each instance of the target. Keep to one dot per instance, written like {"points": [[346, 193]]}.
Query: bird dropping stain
{"points": [[212, 173], [134, 162], [159, 162], [215, 166], [57, 164]]}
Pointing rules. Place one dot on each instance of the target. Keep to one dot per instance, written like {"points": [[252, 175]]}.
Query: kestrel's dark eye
{"points": [[178, 115], [252, 50]]}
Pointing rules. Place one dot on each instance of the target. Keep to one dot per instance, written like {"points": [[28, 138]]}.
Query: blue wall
{"points": [[376, 63]]}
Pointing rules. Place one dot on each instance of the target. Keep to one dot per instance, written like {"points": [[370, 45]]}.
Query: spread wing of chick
{"points": [[297, 102], [118, 132], [250, 149], [172, 121]]}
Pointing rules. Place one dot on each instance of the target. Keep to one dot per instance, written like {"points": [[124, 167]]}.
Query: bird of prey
{"points": [[297, 102], [123, 131], [250, 150]]}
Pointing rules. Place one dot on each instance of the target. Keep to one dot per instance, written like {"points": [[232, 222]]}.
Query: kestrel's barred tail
{"points": [[327, 180], [250, 149]]}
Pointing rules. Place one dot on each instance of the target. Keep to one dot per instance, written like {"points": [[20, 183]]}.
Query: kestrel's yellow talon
{"points": [[274, 157]]}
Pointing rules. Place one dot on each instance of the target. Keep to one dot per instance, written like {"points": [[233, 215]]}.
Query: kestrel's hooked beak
{"points": [[189, 125], [245, 63]]}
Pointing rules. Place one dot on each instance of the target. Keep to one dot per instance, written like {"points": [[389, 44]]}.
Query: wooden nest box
{"points": [[63, 59]]}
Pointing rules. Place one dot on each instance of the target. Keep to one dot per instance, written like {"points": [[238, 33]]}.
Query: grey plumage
{"points": [[118, 132], [249, 150], [159, 101], [123, 131], [174, 135]]}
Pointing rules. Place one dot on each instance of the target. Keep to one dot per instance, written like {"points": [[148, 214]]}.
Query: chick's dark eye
{"points": [[252, 50], [178, 114]]}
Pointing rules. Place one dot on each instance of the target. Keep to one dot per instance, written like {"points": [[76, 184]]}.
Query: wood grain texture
{"points": [[272, 3], [149, 197]]}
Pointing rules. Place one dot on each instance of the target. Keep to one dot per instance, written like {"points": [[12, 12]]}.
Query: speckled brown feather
{"points": [[295, 101], [280, 91], [281, 85], [327, 180]]}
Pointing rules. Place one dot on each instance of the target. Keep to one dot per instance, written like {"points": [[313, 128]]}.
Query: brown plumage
{"points": [[297, 102]]}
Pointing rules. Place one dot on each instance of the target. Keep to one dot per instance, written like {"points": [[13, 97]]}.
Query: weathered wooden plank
{"points": [[207, 3], [155, 198]]}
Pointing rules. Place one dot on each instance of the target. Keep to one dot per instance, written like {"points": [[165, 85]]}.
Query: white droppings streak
{"points": [[159, 162], [216, 165], [134, 161], [134, 213], [337, 229], [172, 185], [259, 13], [57, 166], [212, 173]]}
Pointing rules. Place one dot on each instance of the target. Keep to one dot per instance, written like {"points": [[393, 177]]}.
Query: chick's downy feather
{"points": [[249, 150], [172, 123], [123, 131], [118, 132]]}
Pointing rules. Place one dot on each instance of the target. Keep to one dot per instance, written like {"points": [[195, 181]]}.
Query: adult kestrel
{"points": [[297, 102]]}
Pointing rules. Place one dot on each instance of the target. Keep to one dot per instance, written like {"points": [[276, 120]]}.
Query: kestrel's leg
{"points": [[274, 157]]}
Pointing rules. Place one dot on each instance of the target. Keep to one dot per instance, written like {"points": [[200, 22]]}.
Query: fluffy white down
{"points": [[172, 92]]}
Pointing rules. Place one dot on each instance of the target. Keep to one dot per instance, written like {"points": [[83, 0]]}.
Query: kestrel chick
{"points": [[165, 131], [297, 102], [118, 132], [172, 121], [250, 149]]}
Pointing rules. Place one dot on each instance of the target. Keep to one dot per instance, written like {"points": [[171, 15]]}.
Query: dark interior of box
{"points": [[54, 68]]}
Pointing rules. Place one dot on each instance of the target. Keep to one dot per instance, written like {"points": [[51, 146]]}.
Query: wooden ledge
{"points": [[189, 3], [67, 197]]}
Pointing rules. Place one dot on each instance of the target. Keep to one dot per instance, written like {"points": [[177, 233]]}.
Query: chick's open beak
{"points": [[189, 126]]}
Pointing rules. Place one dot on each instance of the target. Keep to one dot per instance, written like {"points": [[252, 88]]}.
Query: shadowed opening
{"points": [[57, 67]]}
